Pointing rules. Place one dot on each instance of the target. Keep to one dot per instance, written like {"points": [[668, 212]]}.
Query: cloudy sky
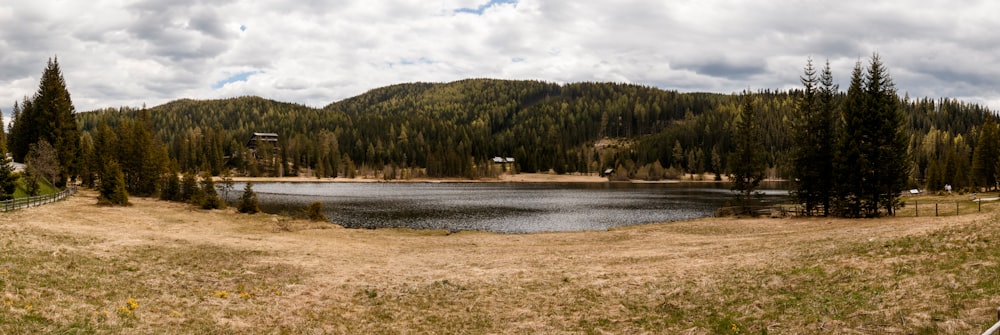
{"points": [[128, 53]]}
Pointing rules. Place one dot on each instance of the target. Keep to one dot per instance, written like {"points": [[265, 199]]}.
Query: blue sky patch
{"points": [[242, 76], [483, 8]]}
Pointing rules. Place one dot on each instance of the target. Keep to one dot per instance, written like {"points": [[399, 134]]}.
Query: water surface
{"points": [[499, 207]]}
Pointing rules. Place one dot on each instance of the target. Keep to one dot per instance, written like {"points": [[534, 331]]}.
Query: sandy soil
{"points": [[339, 261]]}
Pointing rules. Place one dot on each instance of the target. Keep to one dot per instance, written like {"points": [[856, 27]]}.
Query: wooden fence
{"points": [[38, 200], [996, 326]]}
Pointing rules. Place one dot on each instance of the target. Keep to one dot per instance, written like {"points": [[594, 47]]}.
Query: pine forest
{"points": [[454, 130]]}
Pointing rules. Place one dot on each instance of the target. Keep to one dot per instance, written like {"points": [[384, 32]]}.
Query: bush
{"points": [[209, 198], [315, 212], [248, 202]]}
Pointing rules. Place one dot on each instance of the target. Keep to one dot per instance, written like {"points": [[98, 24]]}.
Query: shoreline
{"points": [[506, 178]]}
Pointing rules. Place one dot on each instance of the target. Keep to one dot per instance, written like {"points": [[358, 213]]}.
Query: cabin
{"points": [[503, 160], [258, 138]]}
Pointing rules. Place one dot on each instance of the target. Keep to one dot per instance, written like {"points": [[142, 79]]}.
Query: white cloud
{"points": [[117, 52]]}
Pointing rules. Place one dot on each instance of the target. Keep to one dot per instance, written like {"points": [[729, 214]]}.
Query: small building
{"points": [[503, 160], [259, 138]]}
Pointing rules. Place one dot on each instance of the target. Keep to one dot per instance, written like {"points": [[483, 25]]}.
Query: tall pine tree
{"points": [[813, 135], [872, 164], [890, 153], [986, 152], [49, 116], [747, 164]]}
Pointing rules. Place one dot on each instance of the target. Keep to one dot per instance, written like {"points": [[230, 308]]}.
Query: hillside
{"points": [[454, 129]]}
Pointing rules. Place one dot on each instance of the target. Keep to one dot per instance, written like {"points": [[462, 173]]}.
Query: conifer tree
{"points": [[986, 152], [811, 135], [190, 192], [8, 180], [890, 154], [747, 165], [248, 201], [873, 161], [112, 191], [49, 116], [850, 160], [209, 197]]}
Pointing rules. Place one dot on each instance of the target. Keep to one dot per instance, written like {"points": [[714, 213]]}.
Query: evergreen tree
{"points": [[747, 165], [8, 179], [873, 164], [850, 160], [49, 116], [171, 188], [248, 201], [811, 164], [805, 167], [112, 191], [209, 197], [890, 152], [986, 152], [190, 192]]}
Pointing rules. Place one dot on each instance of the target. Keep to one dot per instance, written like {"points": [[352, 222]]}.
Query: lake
{"points": [[501, 207]]}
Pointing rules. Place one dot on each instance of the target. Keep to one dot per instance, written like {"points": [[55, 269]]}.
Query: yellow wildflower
{"points": [[132, 303], [221, 294]]}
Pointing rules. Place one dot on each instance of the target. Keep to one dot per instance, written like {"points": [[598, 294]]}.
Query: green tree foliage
{"points": [[190, 192], [8, 179], [748, 161], [454, 130], [873, 160], [171, 187], [112, 191], [143, 158], [814, 133], [248, 201], [48, 116], [984, 168], [208, 197]]}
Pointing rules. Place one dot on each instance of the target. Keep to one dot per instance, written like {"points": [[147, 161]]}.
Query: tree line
{"points": [[454, 129]]}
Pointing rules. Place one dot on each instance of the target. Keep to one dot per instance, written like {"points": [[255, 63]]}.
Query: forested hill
{"points": [[454, 129]]}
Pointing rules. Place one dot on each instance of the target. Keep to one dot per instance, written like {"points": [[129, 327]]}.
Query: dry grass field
{"points": [[157, 267]]}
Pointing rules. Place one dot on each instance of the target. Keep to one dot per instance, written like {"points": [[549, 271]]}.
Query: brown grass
{"points": [[71, 267]]}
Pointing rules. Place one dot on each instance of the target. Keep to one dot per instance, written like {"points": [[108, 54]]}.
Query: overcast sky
{"points": [[128, 53]]}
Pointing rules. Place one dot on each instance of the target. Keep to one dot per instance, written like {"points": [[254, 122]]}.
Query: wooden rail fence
{"points": [[996, 326], [38, 200]]}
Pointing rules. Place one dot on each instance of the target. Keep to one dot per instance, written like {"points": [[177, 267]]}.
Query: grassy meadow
{"points": [[157, 267]]}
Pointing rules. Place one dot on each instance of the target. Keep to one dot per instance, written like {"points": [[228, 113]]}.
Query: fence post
{"points": [[916, 208], [956, 207], [935, 209]]}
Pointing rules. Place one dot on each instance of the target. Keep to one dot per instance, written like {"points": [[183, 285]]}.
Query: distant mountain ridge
{"points": [[454, 129]]}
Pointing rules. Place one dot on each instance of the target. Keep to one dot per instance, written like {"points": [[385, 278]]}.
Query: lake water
{"points": [[500, 207]]}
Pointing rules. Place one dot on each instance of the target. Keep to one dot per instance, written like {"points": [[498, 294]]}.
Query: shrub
{"points": [[315, 212], [209, 197], [248, 202]]}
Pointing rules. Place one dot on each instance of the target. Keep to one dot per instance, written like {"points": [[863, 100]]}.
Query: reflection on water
{"points": [[499, 207]]}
